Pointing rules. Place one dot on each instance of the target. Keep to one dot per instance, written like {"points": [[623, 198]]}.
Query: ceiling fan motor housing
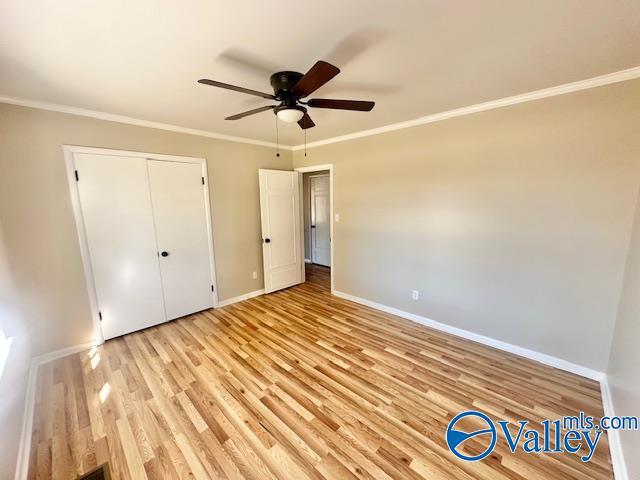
{"points": [[283, 83]]}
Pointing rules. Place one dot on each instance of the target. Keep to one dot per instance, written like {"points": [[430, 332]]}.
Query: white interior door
{"points": [[320, 221], [116, 212], [178, 200], [281, 244]]}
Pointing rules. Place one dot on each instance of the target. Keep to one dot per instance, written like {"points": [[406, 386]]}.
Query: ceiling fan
{"points": [[289, 88]]}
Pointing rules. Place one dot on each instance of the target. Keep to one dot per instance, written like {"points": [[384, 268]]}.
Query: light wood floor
{"points": [[295, 385]]}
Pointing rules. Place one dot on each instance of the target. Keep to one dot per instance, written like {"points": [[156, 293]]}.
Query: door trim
{"points": [[69, 152], [319, 168]]}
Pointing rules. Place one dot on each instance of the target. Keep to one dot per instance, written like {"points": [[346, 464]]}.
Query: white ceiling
{"points": [[141, 58]]}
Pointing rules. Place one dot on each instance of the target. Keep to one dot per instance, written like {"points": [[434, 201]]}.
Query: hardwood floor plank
{"points": [[297, 384]]}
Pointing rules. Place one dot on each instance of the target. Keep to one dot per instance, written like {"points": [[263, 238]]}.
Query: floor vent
{"points": [[100, 473]]}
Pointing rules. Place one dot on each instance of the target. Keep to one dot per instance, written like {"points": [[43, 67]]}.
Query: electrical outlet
{"points": [[255, 275], [415, 294]]}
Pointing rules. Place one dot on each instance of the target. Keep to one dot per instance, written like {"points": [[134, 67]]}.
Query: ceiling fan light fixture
{"points": [[290, 114]]}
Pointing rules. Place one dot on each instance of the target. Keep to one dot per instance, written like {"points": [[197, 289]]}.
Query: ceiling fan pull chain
{"points": [[277, 139], [305, 142]]}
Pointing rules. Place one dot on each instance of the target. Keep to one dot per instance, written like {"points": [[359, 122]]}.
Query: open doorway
{"points": [[317, 214], [316, 206]]}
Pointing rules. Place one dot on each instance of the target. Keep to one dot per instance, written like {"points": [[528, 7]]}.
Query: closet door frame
{"points": [[69, 154]]}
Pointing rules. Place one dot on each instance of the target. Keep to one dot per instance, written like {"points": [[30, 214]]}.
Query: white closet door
{"points": [[178, 198], [320, 226], [281, 247], [116, 211]]}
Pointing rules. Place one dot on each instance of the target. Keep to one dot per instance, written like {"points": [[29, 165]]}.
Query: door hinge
{"points": [[77, 176], [203, 180], [100, 315], [212, 288]]}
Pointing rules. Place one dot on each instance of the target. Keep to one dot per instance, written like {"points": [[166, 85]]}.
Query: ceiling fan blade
{"points": [[306, 122], [238, 116], [317, 76], [358, 105], [213, 83]]}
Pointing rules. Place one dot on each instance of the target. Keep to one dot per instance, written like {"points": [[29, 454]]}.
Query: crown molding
{"points": [[112, 117], [602, 80], [615, 77]]}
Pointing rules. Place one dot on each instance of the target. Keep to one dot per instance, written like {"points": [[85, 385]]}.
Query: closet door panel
{"points": [[118, 221], [178, 198]]}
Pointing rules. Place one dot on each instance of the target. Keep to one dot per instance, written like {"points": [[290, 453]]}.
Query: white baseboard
{"points": [[240, 298], [307, 260], [459, 332], [615, 445], [63, 352], [24, 449]]}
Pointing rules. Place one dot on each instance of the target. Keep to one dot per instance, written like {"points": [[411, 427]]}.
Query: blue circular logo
{"points": [[455, 438]]}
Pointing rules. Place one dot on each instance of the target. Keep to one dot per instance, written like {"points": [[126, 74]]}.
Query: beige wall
{"points": [[14, 378], [39, 230], [624, 365], [512, 223]]}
